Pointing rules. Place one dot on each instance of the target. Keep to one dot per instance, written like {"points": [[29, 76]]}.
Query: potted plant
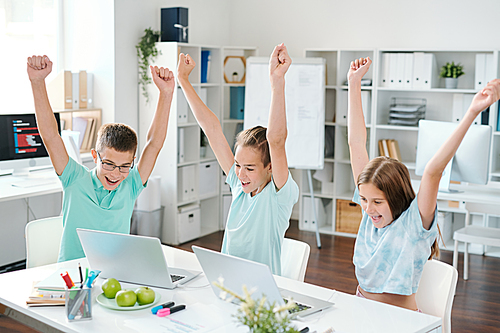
{"points": [[451, 72], [259, 315], [146, 53], [203, 144]]}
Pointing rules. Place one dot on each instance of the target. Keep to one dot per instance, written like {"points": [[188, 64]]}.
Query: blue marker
{"points": [[163, 306], [93, 275]]}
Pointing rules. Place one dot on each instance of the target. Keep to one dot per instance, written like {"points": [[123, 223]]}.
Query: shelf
{"points": [[233, 85], [208, 85], [318, 195], [343, 161], [187, 163], [187, 202], [345, 195], [207, 159], [329, 123], [233, 121], [362, 87], [187, 124], [432, 90], [329, 159], [398, 128]]}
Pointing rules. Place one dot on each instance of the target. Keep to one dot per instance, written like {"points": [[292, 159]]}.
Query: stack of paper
{"points": [[406, 111]]}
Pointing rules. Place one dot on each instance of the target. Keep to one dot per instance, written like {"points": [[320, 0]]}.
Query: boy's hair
{"points": [[120, 137], [256, 138], [393, 178]]}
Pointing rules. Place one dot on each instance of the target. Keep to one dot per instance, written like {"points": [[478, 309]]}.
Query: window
{"points": [[27, 27]]}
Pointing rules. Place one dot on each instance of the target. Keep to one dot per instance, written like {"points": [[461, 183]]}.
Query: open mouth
{"points": [[376, 219], [244, 184], [111, 182]]}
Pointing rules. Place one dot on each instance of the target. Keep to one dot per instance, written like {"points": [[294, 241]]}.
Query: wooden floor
{"points": [[476, 307], [477, 302]]}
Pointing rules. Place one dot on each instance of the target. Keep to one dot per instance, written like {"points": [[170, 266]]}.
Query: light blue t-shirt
{"points": [[256, 225], [87, 204], [391, 259]]}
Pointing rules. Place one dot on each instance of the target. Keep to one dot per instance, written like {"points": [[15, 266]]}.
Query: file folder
{"points": [[83, 89], [205, 65], [60, 91], [408, 74]]}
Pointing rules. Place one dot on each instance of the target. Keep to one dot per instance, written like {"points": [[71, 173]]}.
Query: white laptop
{"points": [[131, 258], [237, 272]]}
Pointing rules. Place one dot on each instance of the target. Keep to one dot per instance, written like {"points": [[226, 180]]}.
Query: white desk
{"points": [[9, 192], [350, 313]]}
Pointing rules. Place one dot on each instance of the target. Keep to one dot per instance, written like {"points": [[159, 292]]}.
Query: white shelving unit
{"points": [[184, 135], [439, 107], [230, 126]]}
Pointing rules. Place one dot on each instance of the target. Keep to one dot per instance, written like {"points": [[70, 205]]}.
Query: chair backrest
{"points": [[436, 291], [43, 238], [294, 257]]}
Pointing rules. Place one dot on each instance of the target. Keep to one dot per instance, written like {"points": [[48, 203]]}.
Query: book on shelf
{"points": [[205, 65], [389, 148]]}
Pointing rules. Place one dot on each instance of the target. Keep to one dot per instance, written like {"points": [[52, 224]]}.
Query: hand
{"points": [[279, 62], [163, 78], [358, 68], [39, 67], [185, 66], [487, 96]]}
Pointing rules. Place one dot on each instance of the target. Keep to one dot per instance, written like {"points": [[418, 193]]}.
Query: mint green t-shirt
{"points": [[256, 225], [87, 204]]}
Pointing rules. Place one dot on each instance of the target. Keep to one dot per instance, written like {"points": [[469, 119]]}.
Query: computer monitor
{"points": [[21, 147], [471, 161]]}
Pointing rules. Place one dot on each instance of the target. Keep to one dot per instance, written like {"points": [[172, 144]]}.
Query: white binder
{"points": [[408, 75]]}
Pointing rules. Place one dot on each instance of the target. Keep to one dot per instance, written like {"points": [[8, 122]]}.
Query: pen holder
{"points": [[78, 304]]}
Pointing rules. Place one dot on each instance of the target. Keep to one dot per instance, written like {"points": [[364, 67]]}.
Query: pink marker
{"points": [[168, 311]]}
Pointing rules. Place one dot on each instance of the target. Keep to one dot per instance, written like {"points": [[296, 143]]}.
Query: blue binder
{"points": [[205, 65], [237, 102]]}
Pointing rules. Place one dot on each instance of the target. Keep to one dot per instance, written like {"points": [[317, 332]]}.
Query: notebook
{"points": [[131, 258], [237, 272]]}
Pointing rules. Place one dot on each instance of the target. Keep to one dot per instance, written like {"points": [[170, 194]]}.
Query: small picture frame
{"points": [[234, 69]]}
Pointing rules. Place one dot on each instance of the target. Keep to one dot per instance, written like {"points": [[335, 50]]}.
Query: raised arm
{"points": [[38, 69], [206, 118], [356, 130], [279, 63], [429, 185], [164, 80]]}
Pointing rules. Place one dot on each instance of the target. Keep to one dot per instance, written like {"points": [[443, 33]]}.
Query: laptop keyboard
{"points": [[298, 308], [176, 278]]}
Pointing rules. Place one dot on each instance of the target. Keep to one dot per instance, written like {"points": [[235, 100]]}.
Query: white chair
{"points": [[475, 234], [436, 291], [294, 258], [43, 238]]}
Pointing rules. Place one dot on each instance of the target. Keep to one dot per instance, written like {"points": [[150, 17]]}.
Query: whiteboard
{"points": [[305, 107]]}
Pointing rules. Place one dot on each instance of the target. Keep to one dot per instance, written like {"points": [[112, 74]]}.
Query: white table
{"points": [[9, 192], [350, 313]]}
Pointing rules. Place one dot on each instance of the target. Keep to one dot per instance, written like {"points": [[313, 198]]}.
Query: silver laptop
{"points": [[237, 272], [131, 258]]}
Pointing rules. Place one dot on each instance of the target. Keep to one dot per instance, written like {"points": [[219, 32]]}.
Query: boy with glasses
{"points": [[102, 198]]}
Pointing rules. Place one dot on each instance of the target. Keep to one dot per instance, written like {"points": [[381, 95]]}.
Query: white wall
{"points": [[454, 24]]}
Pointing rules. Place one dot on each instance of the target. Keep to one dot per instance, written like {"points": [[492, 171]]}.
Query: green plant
{"points": [[452, 70], [259, 315], [203, 139], [146, 52]]}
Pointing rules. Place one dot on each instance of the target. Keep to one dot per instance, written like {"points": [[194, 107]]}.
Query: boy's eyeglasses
{"points": [[111, 167]]}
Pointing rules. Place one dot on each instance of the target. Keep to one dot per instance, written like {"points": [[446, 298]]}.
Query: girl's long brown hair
{"points": [[393, 178]]}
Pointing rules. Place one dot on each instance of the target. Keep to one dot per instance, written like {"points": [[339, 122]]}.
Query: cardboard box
{"points": [[349, 216]]}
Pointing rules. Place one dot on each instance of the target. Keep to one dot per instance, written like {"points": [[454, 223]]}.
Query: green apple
{"points": [[126, 298], [145, 295], [110, 287]]}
